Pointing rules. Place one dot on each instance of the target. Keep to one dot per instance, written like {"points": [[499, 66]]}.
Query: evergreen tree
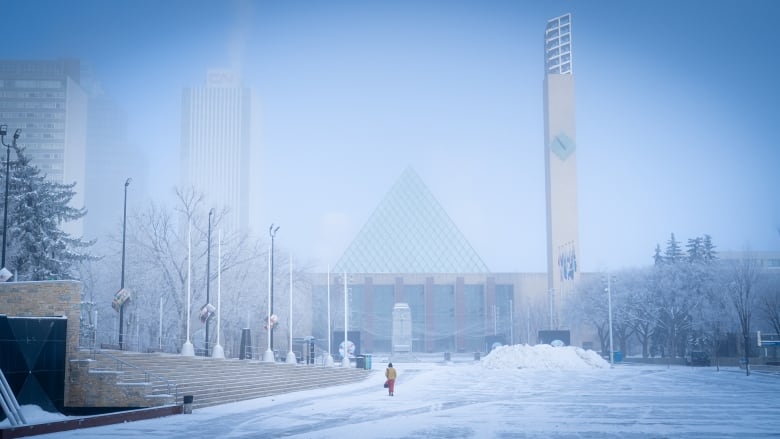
{"points": [[37, 248], [695, 248], [708, 250], [658, 258], [673, 253]]}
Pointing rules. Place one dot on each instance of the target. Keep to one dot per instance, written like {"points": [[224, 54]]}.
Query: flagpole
{"points": [[218, 351], [291, 355], [188, 350], [269, 354], [328, 356]]}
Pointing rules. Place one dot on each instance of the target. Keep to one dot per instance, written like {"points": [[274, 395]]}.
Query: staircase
{"points": [[214, 381]]}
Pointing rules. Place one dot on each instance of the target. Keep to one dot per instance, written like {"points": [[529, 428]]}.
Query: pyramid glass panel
{"points": [[409, 232]]}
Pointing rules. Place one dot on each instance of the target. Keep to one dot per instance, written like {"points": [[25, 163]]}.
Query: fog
{"points": [[674, 128]]}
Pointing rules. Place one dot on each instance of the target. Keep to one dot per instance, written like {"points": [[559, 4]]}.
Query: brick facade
{"points": [[47, 299]]}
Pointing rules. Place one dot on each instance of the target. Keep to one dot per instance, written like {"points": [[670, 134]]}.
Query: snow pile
{"points": [[34, 414], [542, 356]]}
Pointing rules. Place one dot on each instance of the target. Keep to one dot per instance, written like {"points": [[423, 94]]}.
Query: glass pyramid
{"points": [[409, 232]]}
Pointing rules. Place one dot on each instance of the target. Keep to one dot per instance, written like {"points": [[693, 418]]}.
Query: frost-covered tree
{"points": [[37, 247], [741, 281], [673, 294], [770, 305], [642, 309], [158, 271], [591, 304]]}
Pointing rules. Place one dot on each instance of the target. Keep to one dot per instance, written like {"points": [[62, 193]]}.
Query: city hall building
{"points": [[410, 251]]}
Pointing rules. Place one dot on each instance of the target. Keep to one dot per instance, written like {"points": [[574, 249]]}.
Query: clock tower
{"points": [[560, 158]]}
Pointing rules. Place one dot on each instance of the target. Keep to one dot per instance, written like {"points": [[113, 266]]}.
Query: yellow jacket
{"points": [[390, 373]]}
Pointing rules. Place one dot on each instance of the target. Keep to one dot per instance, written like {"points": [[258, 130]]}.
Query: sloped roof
{"points": [[409, 232]]}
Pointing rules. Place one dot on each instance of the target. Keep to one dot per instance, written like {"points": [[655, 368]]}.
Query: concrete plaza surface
{"points": [[543, 398]]}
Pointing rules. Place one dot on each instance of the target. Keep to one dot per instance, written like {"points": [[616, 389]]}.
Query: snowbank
{"points": [[542, 356], [34, 414]]}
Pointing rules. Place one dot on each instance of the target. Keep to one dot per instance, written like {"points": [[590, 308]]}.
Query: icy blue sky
{"points": [[677, 111]]}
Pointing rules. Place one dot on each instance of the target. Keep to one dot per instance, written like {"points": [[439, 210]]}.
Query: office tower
{"points": [[560, 157], [45, 100], [215, 145]]}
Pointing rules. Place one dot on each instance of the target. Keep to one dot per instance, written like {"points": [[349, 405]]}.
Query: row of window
{"points": [[554, 33], [563, 68], [559, 22], [32, 94], [557, 41], [14, 115], [44, 156], [562, 59], [45, 145], [44, 126], [56, 135], [32, 105], [31, 83], [565, 49]]}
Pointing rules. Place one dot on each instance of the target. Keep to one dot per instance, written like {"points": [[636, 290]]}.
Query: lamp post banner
{"points": [[120, 298]]}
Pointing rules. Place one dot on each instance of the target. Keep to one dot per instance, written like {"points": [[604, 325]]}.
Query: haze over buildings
{"points": [[216, 135], [674, 127], [45, 100]]}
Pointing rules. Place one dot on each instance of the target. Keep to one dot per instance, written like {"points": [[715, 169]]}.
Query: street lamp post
{"points": [[551, 300], [122, 281], [272, 231], [3, 132], [609, 306], [208, 283]]}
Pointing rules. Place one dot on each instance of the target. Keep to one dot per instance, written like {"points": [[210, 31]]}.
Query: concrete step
{"points": [[218, 381]]}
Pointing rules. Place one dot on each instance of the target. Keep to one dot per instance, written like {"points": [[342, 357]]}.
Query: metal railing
{"points": [[172, 388]]}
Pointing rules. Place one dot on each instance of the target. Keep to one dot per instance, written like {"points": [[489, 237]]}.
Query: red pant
{"points": [[390, 386]]}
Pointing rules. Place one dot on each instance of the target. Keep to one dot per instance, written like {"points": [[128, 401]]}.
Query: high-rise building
{"points": [[560, 157], [45, 100], [215, 145]]}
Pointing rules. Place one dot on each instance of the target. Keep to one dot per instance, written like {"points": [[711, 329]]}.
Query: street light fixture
{"points": [[3, 132], [272, 231], [208, 283], [122, 279]]}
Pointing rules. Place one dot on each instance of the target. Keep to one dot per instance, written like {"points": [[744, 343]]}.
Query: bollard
{"points": [[187, 407]]}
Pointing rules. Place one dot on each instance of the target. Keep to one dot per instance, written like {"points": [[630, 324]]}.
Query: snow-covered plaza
{"points": [[515, 392]]}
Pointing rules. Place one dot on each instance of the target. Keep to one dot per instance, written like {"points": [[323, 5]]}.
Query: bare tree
{"points": [[161, 268], [591, 306], [674, 307], [770, 304], [742, 277], [642, 310]]}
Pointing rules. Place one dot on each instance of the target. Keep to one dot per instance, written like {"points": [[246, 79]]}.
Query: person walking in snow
{"points": [[390, 374]]}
